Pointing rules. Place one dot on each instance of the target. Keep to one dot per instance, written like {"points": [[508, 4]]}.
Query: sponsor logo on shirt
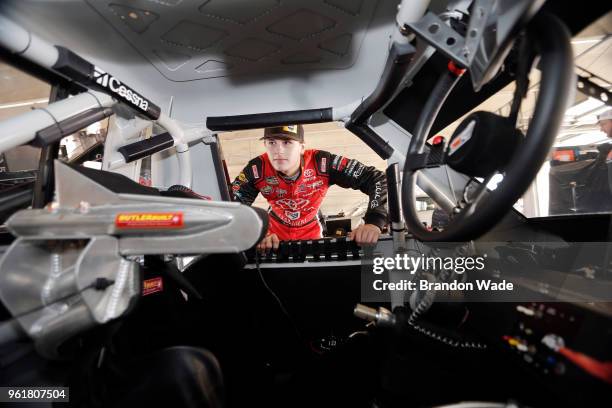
{"points": [[292, 215], [289, 204], [242, 177], [335, 162], [351, 167], [255, 172], [308, 194], [266, 190], [342, 164], [300, 222], [308, 173], [324, 165], [280, 193], [359, 170], [377, 191], [316, 184], [272, 180]]}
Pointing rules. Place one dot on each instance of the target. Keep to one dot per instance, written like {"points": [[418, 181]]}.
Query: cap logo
{"points": [[290, 129]]}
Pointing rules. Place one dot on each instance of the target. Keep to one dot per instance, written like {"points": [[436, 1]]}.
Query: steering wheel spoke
{"points": [[478, 197], [485, 144], [525, 61]]}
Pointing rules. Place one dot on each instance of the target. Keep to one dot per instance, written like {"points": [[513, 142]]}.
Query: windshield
{"points": [[577, 177], [341, 210]]}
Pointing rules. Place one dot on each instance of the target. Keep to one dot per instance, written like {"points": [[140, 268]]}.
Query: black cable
{"points": [[44, 185], [98, 284], [276, 298], [424, 305]]}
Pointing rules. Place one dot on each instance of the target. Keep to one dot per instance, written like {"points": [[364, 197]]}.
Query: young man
{"points": [[295, 180], [596, 196], [605, 123]]}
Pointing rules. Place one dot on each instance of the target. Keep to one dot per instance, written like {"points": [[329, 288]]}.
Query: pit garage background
{"points": [[579, 135]]}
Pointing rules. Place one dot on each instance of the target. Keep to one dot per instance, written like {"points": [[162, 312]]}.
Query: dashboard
{"points": [[326, 280]]}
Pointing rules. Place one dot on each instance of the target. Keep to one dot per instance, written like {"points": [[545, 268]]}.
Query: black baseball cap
{"points": [[292, 132]]}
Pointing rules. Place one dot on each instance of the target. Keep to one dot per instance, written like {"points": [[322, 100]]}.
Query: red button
{"points": [[455, 69]]}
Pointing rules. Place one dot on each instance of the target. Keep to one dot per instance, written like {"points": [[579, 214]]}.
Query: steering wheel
{"points": [[486, 144]]}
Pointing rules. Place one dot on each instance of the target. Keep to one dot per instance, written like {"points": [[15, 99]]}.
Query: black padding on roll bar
{"points": [[262, 120], [372, 139], [147, 147], [55, 132]]}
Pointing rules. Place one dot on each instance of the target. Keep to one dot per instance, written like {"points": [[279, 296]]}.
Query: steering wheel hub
{"points": [[482, 144]]}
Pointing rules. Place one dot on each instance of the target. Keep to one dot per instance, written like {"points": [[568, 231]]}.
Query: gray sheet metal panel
{"points": [[197, 40], [78, 26], [434, 178], [165, 170], [22, 158], [204, 178]]}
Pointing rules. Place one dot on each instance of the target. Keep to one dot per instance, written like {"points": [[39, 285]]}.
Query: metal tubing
{"points": [[182, 148], [22, 128], [20, 41]]}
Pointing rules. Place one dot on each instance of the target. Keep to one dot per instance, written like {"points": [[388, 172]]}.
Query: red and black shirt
{"points": [[294, 203]]}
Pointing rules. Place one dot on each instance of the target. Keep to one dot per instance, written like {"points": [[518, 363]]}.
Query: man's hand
{"points": [[269, 242], [365, 235]]}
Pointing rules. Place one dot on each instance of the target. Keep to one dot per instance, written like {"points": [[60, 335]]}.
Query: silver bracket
{"points": [[492, 26], [446, 40]]}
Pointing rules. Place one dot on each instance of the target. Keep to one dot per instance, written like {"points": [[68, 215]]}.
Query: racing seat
{"points": [[120, 184], [178, 376]]}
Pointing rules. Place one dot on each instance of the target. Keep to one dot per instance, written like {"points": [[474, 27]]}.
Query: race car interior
{"points": [[130, 276]]}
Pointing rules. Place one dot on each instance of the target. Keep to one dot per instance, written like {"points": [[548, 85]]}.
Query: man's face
{"points": [[606, 127], [284, 154]]}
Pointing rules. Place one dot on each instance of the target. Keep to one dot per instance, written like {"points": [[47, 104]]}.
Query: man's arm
{"points": [[244, 191], [243, 187], [350, 173]]}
